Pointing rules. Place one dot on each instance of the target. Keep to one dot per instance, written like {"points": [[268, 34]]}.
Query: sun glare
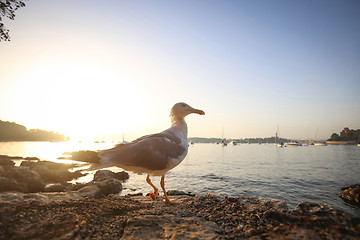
{"points": [[77, 99]]}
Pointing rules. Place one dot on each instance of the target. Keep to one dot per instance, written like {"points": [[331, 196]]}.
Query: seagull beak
{"points": [[198, 111]]}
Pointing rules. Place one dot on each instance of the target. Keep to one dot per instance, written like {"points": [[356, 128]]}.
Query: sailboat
{"points": [[223, 141], [277, 142], [318, 143]]}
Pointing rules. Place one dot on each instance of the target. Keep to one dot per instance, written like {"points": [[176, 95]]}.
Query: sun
{"points": [[78, 99]]}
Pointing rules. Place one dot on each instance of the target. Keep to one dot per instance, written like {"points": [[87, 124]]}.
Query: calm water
{"points": [[294, 174]]}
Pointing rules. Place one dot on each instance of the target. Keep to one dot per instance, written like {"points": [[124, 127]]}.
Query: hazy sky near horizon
{"points": [[101, 68]]}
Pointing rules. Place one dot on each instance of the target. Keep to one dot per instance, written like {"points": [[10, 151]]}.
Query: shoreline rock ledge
{"points": [[37, 216], [351, 194]]}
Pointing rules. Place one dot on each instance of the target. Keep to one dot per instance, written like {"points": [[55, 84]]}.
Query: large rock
{"points": [[105, 182], [96, 189], [57, 187], [53, 172], [5, 161], [105, 174], [84, 156], [351, 194], [21, 179], [10, 184]]}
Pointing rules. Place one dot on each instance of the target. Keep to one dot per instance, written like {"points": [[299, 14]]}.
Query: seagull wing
{"points": [[151, 152]]}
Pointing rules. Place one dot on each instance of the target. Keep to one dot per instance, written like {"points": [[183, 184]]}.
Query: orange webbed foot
{"points": [[153, 196]]}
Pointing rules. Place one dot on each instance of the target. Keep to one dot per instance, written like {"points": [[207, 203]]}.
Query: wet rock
{"points": [[351, 194]]}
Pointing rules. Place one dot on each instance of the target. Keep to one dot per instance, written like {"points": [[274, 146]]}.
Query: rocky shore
{"points": [[189, 217], [30, 210]]}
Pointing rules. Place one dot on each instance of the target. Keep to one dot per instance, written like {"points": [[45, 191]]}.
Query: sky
{"points": [[99, 69]]}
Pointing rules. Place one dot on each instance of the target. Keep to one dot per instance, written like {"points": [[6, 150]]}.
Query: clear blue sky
{"points": [[110, 67]]}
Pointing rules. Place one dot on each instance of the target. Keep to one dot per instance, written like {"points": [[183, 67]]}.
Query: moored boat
{"points": [[233, 143], [293, 144], [320, 144]]}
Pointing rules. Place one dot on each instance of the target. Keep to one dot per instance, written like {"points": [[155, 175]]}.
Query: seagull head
{"points": [[181, 110]]}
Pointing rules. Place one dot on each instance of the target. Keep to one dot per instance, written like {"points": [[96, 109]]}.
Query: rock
{"points": [[9, 184], [134, 194], [10, 157], [351, 194], [90, 191], [56, 188], [32, 158], [53, 172], [13, 197], [123, 176], [73, 215], [102, 186], [96, 189], [168, 226], [108, 186], [105, 174], [84, 156], [22, 179], [4, 161], [178, 193]]}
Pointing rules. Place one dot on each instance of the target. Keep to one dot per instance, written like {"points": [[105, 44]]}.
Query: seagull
{"points": [[153, 154]]}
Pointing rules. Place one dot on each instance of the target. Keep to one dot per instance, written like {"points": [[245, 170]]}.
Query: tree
{"points": [[334, 137], [7, 9]]}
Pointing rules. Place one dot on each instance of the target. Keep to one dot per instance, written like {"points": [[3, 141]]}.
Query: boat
{"points": [[223, 141], [233, 143], [277, 142], [320, 144], [293, 144]]}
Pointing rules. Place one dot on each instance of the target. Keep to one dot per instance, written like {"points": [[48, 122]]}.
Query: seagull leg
{"points": [[152, 195], [162, 184]]}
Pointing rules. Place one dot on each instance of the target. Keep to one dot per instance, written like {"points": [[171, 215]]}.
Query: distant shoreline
{"points": [[341, 142], [13, 132]]}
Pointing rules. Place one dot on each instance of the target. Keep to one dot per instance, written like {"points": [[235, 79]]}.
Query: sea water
{"points": [[294, 174]]}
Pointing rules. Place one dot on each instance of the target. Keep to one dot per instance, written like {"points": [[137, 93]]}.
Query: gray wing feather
{"points": [[151, 152]]}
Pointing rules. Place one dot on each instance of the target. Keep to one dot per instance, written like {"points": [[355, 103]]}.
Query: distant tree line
{"points": [[10, 131], [346, 135], [243, 140]]}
